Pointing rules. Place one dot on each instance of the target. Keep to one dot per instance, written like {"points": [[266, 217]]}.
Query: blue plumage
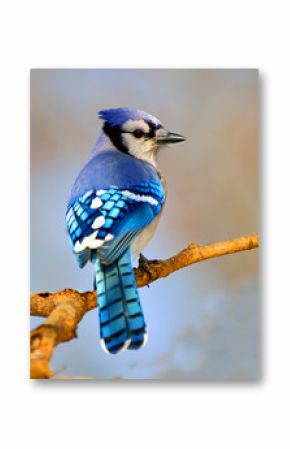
{"points": [[118, 116], [121, 317], [114, 201], [110, 167], [123, 216]]}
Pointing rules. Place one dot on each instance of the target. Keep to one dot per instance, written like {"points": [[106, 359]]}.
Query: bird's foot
{"points": [[144, 264]]}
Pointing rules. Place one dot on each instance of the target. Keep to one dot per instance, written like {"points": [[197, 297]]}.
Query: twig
{"points": [[66, 308]]}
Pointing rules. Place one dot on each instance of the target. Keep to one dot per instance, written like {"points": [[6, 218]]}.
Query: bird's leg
{"points": [[144, 264]]}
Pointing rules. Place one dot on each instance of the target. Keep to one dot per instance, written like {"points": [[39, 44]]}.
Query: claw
{"points": [[144, 264]]}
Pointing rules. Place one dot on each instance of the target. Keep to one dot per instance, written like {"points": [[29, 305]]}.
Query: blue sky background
{"points": [[204, 321]]}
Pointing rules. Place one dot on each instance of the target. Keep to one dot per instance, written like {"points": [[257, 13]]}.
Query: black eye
{"points": [[138, 133]]}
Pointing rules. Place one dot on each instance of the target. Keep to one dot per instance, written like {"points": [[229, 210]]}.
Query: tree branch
{"points": [[66, 308]]}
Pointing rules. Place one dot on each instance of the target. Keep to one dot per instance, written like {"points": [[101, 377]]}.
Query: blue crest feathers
{"points": [[118, 116]]}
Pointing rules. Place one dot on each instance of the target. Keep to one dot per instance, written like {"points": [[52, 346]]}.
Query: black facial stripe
{"points": [[114, 133], [152, 129]]}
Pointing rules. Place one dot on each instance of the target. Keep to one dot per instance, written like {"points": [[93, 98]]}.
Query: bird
{"points": [[112, 213]]}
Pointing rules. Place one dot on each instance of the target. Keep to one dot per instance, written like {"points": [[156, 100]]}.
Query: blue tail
{"points": [[122, 324]]}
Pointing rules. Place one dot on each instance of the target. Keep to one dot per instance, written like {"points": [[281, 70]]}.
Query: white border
{"points": [[151, 34]]}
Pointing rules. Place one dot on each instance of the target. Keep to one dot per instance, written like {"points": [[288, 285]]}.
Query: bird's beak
{"points": [[168, 137]]}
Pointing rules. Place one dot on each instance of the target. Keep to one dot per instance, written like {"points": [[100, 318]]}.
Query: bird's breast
{"points": [[146, 235], [144, 238]]}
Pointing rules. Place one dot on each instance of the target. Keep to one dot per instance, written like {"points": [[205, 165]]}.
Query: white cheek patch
{"points": [[140, 148], [134, 145], [132, 125], [143, 148]]}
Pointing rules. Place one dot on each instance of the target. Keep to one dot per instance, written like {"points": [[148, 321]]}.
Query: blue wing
{"points": [[108, 220]]}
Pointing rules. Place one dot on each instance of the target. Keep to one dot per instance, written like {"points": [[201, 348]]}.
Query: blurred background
{"points": [[204, 322]]}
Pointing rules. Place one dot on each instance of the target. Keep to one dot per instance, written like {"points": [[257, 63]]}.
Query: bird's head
{"points": [[136, 133]]}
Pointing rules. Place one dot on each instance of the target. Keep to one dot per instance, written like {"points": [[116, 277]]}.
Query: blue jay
{"points": [[112, 213]]}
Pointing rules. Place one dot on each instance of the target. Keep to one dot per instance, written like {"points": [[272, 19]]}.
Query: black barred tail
{"points": [[122, 324]]}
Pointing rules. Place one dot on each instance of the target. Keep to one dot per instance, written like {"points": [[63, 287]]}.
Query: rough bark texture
{"points": [[65, 309]]}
